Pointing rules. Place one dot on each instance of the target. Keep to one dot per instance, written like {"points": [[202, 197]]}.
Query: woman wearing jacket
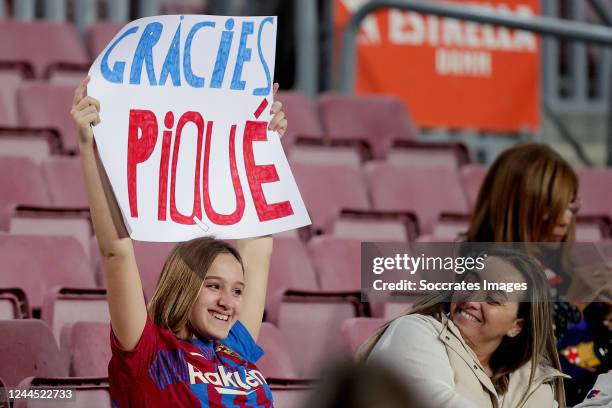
{"points": [[483, 349]]}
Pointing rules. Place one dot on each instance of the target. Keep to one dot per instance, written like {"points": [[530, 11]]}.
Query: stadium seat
{"points": [[36, 144], [428, 192], [21, 182], [311, 323], [98, 36], [10, 80], [150, 257], [28, 349], [290, 268], [472, 176], [329, 188], [64, 306], [377, 119], [595, 191], [87, 347], [375, 226], [356, 330], [37, 263], [56, 170], [46, 105], [303, 116], [428, 154], [451, 226], [337, 262], [35, 43], [319, 151], [14, 304], [276, 362], [90, 392], [53, 221], [290, 394]]}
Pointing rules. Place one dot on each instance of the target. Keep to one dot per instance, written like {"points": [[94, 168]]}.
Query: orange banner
{"points": [[451, 73]]}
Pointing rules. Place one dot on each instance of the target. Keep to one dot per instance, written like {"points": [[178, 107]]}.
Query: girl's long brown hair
{"points": [[535, 342], [180, 282]]}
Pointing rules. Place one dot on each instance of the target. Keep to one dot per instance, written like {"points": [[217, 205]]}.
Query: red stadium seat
{"points": [[37, 263], [357, 330], [329, 188], [426, 192], [425, 154], [87, 347], [90, 392], [338, 262], [36, 144], [37, 44], [56, 171], [27, 348], [472, 176], [150, 257], [64, 306], [21, 182], [311, 325], [595, 191], [46, 105], [290, 394], [377, 119], [276, 362], [53, 221], [99, 35], [375, 226], [290, 268], [10, 80], [304, 119], [14, 304]]}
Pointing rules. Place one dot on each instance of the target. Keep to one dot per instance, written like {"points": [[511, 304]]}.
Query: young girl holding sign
{"points": [[195, 345]]}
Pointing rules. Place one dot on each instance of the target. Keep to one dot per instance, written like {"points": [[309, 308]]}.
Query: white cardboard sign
{"points": [[185, 105]]}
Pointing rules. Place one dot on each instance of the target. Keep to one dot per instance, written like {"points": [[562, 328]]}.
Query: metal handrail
{"points": [[541, 25]]}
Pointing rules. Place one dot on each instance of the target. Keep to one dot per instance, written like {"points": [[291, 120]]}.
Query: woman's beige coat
{"points": [[434, 360]]}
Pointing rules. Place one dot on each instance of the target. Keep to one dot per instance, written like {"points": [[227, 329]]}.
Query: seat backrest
{"points": [[37, 43], [328, 188], [311, 326], [36, 263], [88, 344], [276, 362], [302, 114], [28, 349], [595, 191], [290, 268], [150, 257], [21, 182], [472, 176], [64, 306], [337, 262], [428, 192], [99, 35], [379, 119], [356, 330], [56, 170], [43, 104]]}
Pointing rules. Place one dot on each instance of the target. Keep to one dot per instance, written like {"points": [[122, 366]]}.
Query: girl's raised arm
{"points": [[126, 303]]}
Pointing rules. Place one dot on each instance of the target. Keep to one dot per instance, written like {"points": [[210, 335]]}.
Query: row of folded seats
{"points": [[376, 201]]}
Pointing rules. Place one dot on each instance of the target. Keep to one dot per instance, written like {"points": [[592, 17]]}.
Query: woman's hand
{"points": [[85, 113], [278, 122]]}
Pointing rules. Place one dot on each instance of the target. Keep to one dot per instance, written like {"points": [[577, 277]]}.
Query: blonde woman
{"points": [[479, 350], [195, 345]]}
